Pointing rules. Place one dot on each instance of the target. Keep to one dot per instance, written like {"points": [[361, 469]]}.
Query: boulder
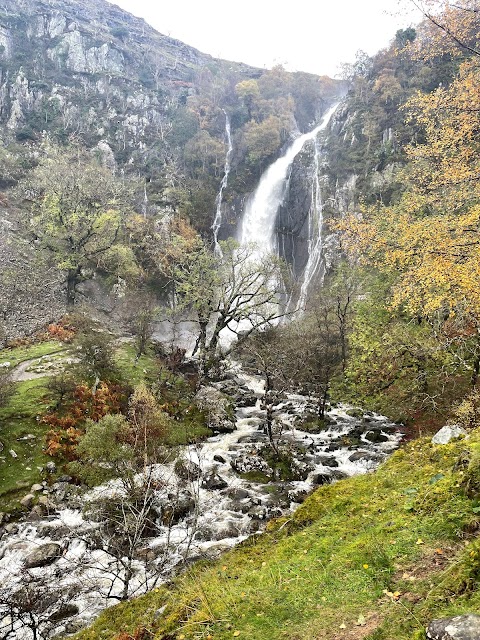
{"points": [[51, 467], [36, 487], [448, 433], [466, 627], [45, 554], [28, 500], [218, 407], [177, 508], [65, 611], [213, 481], [376, 436], [363, 455], [187, 470], [322, 478], [326, 461], [237, 493]]}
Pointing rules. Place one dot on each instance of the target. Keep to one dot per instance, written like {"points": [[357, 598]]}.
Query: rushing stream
{"points": [[224, 507]]}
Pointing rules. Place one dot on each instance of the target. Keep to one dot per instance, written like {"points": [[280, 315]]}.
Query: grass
{"points": [[18, 355], [145, 369], [375, 556], [17, 420]]}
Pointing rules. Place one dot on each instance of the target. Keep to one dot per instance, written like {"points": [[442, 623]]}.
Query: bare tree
{"points": [[229, 295], [33, 605]]}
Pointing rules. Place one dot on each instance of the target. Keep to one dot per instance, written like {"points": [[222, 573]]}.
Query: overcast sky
{"points": [[303, 35]]}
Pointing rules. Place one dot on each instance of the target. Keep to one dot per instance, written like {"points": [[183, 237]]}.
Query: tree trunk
{"points": [[476, 370], [73, 276]]}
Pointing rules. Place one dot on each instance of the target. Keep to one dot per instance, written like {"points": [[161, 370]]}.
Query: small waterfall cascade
{"points": [[217, 223], [315, 236], [258, 224]]}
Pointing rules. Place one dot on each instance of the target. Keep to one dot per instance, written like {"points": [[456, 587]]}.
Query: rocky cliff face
{"points": [[89, 69]]}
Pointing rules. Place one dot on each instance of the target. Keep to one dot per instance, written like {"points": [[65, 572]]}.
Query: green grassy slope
{"points": [[374, 556]]}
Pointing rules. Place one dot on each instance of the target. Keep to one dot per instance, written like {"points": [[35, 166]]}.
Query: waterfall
{"points": [[217, 223], [258, 225], [315, 237]]}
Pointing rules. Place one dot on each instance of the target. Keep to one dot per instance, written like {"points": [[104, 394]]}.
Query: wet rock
{"points": [[376, 436], [46, 502], [466, 627], [258, 512], [74, 626], [28, 500], [237, 493], [218, 407], [322, 478], [45, 554], [246, 400], [219, 458], [187, 470], [256, 437], [65, 611], [65, 479], [177, 508], [364, 455], [355, 412], [38, 512], [230, 531], [213, 481], [299, 496], [61, 490], [11, 527], [327, 461], [448, 433], [249, 463]]}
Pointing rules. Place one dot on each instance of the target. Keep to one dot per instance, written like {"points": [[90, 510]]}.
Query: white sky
{"points": [[303, 35]]}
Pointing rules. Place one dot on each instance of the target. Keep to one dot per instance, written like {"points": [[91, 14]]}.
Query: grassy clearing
{"points": [[145, 369], [18, 355], [374, 556], [18, 420]]}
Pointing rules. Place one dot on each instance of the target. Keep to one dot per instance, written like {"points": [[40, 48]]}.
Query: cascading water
{"points": [[315, 237], [258, 224], [217, 223]]}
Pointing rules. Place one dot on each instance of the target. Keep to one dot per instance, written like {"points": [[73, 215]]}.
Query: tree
{"points": [[449, 28], [229, 296], [141, 310], [34, 604], [317, 355], [141, 502], [77, 212], [268, 352]]}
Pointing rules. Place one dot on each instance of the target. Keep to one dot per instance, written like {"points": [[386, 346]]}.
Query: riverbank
{"points": [[375, 556]]}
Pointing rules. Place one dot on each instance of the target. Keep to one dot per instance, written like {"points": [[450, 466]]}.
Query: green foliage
{"points": [[104, 451]]}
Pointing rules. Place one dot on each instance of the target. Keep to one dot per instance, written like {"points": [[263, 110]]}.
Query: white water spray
{"points": [[315, 236], [258, 225], [217, 223]]}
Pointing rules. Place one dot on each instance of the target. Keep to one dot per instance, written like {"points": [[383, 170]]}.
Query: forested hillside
{"points": [[234, 314]]}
